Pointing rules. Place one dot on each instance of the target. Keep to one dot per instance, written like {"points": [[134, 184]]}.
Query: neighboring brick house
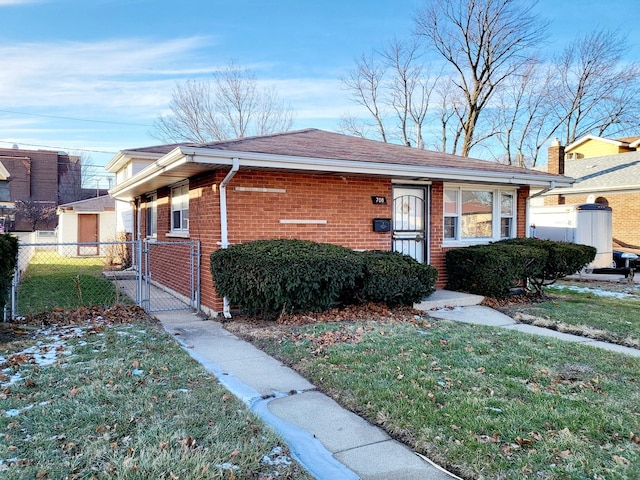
{"points": [[321, 186], [45, 178], [606, 171]]}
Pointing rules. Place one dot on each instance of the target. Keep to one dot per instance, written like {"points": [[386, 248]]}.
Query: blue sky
{"points": [[93, 75]]}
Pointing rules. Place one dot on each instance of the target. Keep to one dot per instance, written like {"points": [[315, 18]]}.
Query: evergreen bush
{"points": [[276, 275], [8, 261], [563, 259], [395, 279], [493, 270]]}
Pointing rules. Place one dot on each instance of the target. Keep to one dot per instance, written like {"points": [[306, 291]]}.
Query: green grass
{"points": [[128, 403], [485, 403], [616, 319], [52, 281]]}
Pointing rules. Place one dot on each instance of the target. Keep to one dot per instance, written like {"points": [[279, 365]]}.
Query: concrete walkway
{"points": [[329, 441]]}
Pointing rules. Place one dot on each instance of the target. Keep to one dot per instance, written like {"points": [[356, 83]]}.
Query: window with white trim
{"points": [[474, 214], [152, 215], [180, 208], [507, 208]]}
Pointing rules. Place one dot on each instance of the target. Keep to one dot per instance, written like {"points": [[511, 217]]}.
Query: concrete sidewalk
{"points": [[480, 315], [331, 442]]}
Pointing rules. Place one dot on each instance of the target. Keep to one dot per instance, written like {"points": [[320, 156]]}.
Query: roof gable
{"points": [[94, 204], [4, 173]]}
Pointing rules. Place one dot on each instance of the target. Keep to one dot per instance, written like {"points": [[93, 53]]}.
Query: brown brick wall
{"points": [[36, 175]]}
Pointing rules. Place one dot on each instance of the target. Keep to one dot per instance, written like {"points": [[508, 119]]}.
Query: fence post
{"points": [[138, 247], [14, 286]]}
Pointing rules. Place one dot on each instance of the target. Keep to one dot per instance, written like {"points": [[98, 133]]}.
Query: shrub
{"points": [[276, 275], [563, 259], [394, 279], [8, 261], [493, 270]]}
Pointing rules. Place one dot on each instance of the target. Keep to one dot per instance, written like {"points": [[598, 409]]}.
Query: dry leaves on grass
{"points": [[116, 314], [256, 329], [96, 316]]}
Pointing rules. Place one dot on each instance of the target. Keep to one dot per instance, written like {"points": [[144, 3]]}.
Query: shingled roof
{"points": [[321, 152], [314, 143], [609, 173]]}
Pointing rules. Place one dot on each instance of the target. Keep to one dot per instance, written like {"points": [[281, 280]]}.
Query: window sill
{"points": [[178, 235], [470, 242]]}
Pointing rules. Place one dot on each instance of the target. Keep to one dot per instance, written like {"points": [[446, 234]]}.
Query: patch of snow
{"points": [[44, 353], [595, 291]]}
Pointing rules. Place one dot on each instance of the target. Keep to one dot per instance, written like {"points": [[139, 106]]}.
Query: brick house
{"points": [[606, 171], [321, 186], [45, 178]]}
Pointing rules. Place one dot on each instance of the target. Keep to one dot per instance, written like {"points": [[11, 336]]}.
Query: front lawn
{"points": [[485, 403], [585, 311], [124, 401]]}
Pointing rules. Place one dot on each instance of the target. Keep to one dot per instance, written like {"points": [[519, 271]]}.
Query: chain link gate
{"points": [[170, 275], [158, 276]]}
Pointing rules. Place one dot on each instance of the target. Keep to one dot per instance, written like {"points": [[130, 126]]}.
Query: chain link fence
{"points": [[154, 275]]}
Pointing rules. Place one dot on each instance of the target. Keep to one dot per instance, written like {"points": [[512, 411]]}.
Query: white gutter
{"points": [[527, 214], [224, 232], [207, 157], [258, 160]]}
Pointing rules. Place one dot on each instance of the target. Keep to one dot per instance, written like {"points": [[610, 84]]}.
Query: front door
{"points": [[410, 222], [88, 232]]}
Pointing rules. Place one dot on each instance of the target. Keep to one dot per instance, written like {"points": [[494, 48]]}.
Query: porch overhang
{"points": [[184, 162]]}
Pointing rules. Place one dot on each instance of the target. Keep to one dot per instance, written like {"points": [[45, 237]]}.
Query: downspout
{"points": [[224, 232], [551, 186]]}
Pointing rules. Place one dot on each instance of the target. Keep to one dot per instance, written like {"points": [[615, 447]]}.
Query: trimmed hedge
{"points": [[8, 260], [271, 276], [493, 270], [275, 275], [563, 259], [395, 279]]}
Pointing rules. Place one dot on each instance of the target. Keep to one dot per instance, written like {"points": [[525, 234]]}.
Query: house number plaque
{"points": [[379, 200]]}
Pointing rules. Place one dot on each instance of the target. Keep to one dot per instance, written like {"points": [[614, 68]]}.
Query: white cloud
{"points": [[133, 72], [4, 3]]}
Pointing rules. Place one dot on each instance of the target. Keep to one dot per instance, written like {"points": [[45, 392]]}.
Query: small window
{"points": [[152, 215], [451, 214], [180, 208], [506, 215]]}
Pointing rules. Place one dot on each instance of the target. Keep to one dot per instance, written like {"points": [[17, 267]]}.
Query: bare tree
{"points": [[596, 92], [410, 87], [450, 110], [76, 177], [484, 41], [365, 82], [585, 90], [395, 88], [522, 108], [228, 106], [36, 212]]}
